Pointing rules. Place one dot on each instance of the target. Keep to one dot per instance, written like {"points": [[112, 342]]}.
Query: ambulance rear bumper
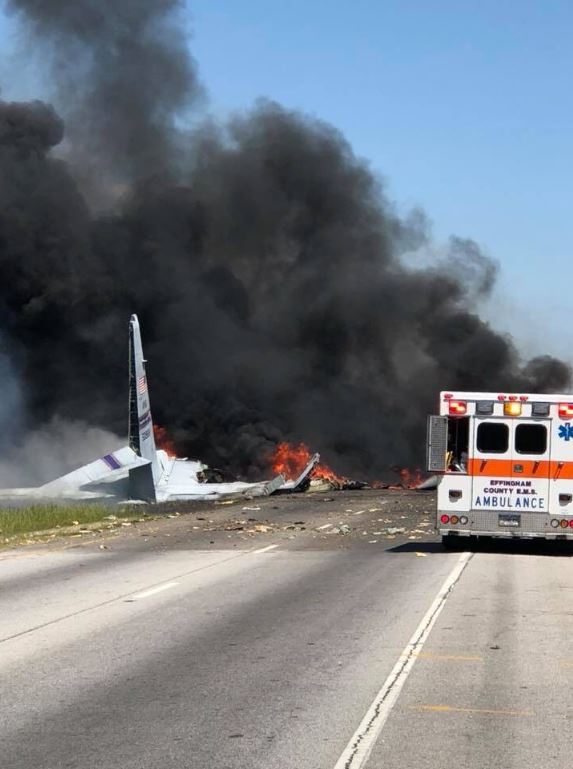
{"points": [[490, 523], [466, 533]]}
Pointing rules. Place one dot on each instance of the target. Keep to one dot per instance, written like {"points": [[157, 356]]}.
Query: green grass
{"points": [[16, 521]]}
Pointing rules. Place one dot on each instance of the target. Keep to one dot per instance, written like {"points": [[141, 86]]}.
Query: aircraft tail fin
{"points": [[140, 430]]}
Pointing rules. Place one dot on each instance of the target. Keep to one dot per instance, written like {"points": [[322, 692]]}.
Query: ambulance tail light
{"points": [[458, 407], [564, 523], [444, 519], [512, 409], [566, 410]]}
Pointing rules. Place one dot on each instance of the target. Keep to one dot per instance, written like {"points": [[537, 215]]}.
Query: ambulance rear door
{"points": [[490, 463], [531, 465], [510, 466]]}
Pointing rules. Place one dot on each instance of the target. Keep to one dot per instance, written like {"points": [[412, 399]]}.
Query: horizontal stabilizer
{"points": [[106, 468]]}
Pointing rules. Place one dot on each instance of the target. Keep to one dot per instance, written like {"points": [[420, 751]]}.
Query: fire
{"points": [[410, 479], [163, 441], [290, 460]]}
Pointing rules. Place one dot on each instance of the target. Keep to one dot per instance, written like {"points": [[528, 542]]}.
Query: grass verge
{"points": [[18, 522]]}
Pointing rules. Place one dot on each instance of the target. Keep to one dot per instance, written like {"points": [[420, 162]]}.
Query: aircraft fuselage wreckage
{"points": [[141, 471]]}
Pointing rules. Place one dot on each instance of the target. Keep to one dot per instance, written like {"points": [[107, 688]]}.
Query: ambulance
{"points": [[504, 463]]}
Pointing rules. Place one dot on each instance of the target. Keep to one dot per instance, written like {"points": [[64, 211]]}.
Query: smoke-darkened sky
{"points": [[263, 257]]}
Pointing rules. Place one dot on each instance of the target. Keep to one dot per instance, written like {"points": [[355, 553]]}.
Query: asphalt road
{"points": [[287, 641]]}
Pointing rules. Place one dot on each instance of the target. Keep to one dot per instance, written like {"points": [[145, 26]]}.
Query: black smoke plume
{"points": [[262, 256]]}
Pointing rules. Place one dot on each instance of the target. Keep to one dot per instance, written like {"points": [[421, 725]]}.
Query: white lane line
{"points": [[326, 526], [152, 591], [265, 549], [358, 750], [359, 512]]}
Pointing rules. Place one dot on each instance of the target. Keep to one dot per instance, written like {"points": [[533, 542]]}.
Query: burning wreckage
{"points": [[141, 471]]}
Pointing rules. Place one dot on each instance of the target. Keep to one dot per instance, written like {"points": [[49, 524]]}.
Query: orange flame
{"points": [[290, 461], [410, 479], [163, 441]]}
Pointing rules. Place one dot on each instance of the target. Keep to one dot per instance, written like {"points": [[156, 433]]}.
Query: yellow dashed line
{"points": [[454, 657], [470, 711]]}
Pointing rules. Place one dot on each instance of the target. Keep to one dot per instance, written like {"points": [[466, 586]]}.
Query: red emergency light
{"points": [[566, 410], [458, 407]]}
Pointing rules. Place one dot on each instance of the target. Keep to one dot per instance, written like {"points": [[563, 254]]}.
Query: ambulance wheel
{"points": [[450, 543]]}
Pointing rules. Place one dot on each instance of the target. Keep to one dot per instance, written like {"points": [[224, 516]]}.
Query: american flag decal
{"points": [[141, 385]]}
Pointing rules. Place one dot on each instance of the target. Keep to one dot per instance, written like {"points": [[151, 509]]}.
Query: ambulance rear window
{"points": [[492, 438], [531, 439]]}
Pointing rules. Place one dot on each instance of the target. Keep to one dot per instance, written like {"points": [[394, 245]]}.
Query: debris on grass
{"points": [[18, 524]]}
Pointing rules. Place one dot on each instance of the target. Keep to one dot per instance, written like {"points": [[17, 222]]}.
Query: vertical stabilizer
{"points": [[140, 430]]}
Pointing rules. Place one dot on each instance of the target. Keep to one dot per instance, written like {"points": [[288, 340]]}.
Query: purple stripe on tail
{"points": [[111, 462]]}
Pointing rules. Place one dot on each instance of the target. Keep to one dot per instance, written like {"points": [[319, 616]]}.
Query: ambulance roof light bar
{"points": [[512, 409]]}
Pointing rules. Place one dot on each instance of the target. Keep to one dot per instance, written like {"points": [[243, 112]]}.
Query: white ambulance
{"points": [[505, 465]]}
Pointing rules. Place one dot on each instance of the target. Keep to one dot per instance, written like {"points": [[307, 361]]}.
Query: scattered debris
{"points": [[319, 485], [344, 528], [429, 484], [395, 530]]}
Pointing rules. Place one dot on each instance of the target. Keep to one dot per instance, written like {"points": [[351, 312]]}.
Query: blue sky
{"points": [[464, 107]]}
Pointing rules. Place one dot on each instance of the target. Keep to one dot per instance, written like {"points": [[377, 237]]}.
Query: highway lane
{"points": [[493, 684], [270, 654]]}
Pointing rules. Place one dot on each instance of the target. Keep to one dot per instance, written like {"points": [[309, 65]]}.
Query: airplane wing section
{"points": [[301, 483]]}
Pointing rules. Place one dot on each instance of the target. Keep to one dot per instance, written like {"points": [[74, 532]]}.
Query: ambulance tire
{"points": [[450, 542]]}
